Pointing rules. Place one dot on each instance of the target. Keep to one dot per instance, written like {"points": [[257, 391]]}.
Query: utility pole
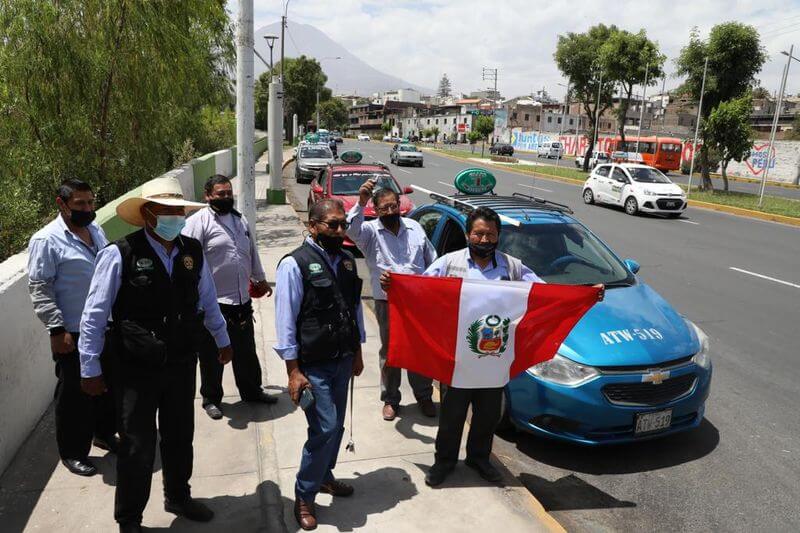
{"points": [[775, 123], [597, 114], [697, 127], [663, 106], [490, 74], [563, 120], [245, 116], [641, 111], [317, 120]]}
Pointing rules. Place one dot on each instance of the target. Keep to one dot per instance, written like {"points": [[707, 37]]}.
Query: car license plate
{"points": [[649, 422], [670, 204]]}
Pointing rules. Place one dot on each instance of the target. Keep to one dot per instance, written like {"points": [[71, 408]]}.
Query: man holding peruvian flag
{"points": [[474, 334]]}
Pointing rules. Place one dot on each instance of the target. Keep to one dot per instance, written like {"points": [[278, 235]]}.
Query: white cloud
{"points": [[418, 41]]}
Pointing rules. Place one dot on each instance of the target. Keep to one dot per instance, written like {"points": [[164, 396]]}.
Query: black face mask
{"points": [[483, 250], [223, 206], [81, 218], [330, 243], [390, 220]]}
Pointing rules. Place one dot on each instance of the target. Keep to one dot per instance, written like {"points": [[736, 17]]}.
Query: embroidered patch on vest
{"points": [[315, 268], [348, 265], [188, 262], [144, 263]]}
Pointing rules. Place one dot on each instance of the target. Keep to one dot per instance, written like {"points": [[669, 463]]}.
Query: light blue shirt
{"points": [[60, 267], [103, 292], [496, 270], [289, 297], [408, 252]]}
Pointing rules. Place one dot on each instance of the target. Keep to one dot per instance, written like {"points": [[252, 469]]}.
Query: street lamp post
{"points": [[697, 128], [563, 119], [270, 42], [641, 111], [597, 113], [245, 116]]}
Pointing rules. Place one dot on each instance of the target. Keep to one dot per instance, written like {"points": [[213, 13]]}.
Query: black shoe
{"points": [[485, 469], [130, 528], [213, 411], [436, 475], [191, 509], [262, 397], [109, 444], [81, 467]]}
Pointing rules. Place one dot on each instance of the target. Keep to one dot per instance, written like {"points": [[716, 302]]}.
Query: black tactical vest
{"points": [[156, 316], [327, 328]]}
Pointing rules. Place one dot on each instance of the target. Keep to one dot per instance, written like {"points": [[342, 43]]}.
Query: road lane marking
{"points": [[447, 184], [776, 280], [532, 187], [406, 171], [434, 164], [688, 222]]}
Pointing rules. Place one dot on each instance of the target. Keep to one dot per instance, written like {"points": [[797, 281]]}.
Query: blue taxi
{"points": [[631, 369]]}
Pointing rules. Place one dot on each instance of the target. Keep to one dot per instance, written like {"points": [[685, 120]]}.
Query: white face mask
{"points": [[168, 227]]}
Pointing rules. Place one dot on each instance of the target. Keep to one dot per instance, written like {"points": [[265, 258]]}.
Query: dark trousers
{"points": [[486, 405], [79, 416], [169, 394], [246, 369]]}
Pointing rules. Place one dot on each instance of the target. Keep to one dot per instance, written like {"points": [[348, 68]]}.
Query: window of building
{"points": [[571, 122], [437, 120], [429, 121], [527, 117], [549, 120], [444, 121], [537, 118], [465, 120], [559, 120], [513, 116]]}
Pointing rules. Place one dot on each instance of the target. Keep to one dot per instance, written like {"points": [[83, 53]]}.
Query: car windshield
{"points": [[647, 175], [408, 148], [316, 152], [564, 253], [348, 183], [556, 145]]}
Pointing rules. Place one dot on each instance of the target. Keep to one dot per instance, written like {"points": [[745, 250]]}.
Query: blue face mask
{"points": [[169, 227]]}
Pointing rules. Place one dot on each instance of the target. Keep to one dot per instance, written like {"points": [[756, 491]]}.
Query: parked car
{"points": [[632, 368], [596, 159], [337, 136], [387, 138], [501, 149], [636, 188], [406, 154], [451, 140], [343, 180], [363, 137], [311, 159], [550, 150]]}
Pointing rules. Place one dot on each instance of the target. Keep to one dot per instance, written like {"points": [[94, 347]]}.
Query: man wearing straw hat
{"points": [[157, 288]]}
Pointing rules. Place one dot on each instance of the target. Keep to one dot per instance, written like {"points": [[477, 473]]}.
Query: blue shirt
{"points": [[103, 292], [408, 252], [289, 297], [496, 270], [60, 267]]}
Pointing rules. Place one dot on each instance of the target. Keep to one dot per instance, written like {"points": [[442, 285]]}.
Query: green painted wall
{"points": [[203, 168]]}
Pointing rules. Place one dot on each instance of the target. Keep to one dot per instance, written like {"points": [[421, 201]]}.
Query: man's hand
{"points": [[297, 382], [365, 192], [602, 293], [386, 280], [94, 386], [264, 288], [358, 363], [225, 354], [62, 344]]}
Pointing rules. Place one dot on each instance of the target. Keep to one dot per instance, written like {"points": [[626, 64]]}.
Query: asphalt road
{"points": [[739, 471], [677, 177]]}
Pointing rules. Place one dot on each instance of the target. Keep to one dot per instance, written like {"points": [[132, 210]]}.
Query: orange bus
{"points": [[663, 153]]}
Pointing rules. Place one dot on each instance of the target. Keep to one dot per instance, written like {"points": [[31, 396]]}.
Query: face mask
{"points": [[482, 250], [81, 218], [390, 220], [169, 227], [329, 243], [223, 206]]}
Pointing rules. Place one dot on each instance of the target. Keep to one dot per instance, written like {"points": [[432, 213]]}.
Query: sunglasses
{"points": [[334, 225]]}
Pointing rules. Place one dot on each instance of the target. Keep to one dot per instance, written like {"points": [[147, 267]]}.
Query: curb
{"points": [[738, 211]]}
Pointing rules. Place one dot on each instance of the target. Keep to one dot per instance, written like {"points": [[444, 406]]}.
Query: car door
{"points": [[430, 220], [601, 182], [451, 237], [619, 179]]}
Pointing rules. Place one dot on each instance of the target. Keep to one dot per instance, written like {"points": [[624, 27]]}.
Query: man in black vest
{"points": [[157, 287], [320, 328]]}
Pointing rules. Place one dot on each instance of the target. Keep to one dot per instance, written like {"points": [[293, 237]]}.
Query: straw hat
{"points": [[163, 191]]}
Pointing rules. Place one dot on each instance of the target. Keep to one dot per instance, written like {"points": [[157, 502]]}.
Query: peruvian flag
{"points": [[479, 334]]}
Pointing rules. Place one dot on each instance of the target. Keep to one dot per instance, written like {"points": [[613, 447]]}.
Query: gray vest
{"points": [[456, 264]]}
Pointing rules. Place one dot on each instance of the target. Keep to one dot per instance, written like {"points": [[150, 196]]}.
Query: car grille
{"points": [[649, 394], [664, 204]]}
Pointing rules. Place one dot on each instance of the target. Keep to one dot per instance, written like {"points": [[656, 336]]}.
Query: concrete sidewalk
{"points": [[244, 464]]}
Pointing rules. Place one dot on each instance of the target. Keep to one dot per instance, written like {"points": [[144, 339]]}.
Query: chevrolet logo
{"points": [[656, 377]]}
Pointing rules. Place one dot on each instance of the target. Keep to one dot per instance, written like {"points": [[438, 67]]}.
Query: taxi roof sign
{"points": [[351, 157], [312, 138], [475, 181]]}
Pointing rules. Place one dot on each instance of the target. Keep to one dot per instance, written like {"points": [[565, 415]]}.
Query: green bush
{"points": [[713, 163], [18, 219]]}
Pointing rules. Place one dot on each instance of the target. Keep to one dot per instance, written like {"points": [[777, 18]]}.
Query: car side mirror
{"points": [[317, 189], [407, 190], [632, 265]]}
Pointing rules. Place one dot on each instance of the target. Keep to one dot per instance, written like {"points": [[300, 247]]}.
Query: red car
{"points": [[342, 181]]}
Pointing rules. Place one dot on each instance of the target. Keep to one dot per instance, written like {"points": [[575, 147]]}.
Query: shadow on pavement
{"points": [[409, 417], [629, 458], [570, 493], [241, 414]]}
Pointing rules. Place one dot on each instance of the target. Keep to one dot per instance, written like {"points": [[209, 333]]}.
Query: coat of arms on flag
{"points": [[488, 335]]}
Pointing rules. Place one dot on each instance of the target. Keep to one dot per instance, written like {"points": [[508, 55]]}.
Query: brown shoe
{"points": [[305, 514], [389, 412], [427, 407], [337, 488]]}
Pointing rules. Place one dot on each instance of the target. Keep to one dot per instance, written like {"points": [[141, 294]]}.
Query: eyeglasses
{"points": [[388, 208], [335, 224]]}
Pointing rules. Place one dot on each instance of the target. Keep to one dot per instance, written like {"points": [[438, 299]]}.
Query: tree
{"points": [[578, 58], [484, 126], [760, 93], [629, 58], [434, 133], [735, 56], [386, 127], [444, 87], [333, 114], [302, 79], [103, 90], [728, 131], [795, 133], [473, 137]]}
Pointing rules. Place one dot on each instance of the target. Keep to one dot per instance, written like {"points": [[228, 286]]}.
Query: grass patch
{"points": [[772, 204]]}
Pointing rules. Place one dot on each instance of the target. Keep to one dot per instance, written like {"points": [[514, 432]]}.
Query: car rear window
{"points": [[348, 183]]}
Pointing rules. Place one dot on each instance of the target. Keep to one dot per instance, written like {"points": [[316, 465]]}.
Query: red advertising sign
{"points": [[462, 128]]}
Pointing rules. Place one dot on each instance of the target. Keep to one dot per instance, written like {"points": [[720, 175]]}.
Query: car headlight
{"points": [[701, 358], [305, 169], [563, 371], [648, 192]]}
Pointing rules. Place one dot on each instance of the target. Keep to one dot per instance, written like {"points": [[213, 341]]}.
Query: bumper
{"points": [[658, 204], [584, 415], [409, 160], [309, 173]]}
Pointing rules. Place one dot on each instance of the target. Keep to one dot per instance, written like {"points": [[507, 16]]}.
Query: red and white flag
{"points": [[479, 334]]}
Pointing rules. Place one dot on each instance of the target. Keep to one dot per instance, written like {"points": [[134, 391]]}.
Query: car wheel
{"points": [[588, 196], [420, 164], [631, 206]]}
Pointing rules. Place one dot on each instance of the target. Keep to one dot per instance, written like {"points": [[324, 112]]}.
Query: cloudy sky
{"points": [[418, 41]]}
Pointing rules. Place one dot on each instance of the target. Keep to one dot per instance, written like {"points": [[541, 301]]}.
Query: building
{"points": [[400, 95], [366, 118], [487, 94]]}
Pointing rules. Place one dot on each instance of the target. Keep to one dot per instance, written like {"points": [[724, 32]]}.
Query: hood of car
{"points": [[661, 188], [632, 326], [406, 205], [314, 161]]}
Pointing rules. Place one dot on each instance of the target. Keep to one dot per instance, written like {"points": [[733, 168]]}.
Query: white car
{"points": [[550, 149], [636, 188], [363, 137]]}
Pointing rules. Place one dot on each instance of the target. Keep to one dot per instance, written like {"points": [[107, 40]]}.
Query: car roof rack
{"points": [[541, 203]]}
